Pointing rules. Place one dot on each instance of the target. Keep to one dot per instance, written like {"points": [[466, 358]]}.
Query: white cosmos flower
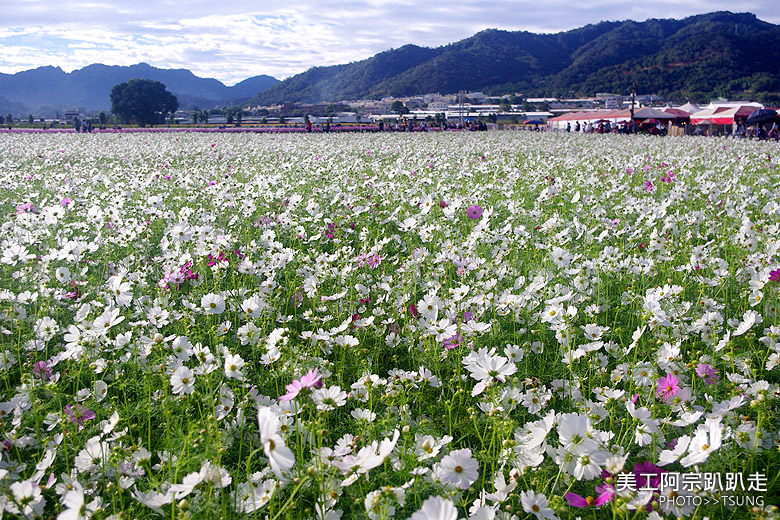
{"points": [[76, 509], [363, 414], [153, 500], [101, 389], [233, 365], [706, 441], [94, 455], [62, 274], [182, 233], [253, 306], [16, 253], [329, 398], [105, 321], [366, 459], [120, 290], [669, 456], [429, 307], [216, 475], [573, 429], [459, 469], [213, 303], [749, 319], [27, 499], [279, 455], [190, 481], [46, 328], [485, 366], [436, 508], [537, 505], [183, 381], [427, 447], [251, 496]]}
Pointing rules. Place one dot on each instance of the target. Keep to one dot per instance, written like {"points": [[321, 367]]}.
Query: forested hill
{"points": [[701, 56]]}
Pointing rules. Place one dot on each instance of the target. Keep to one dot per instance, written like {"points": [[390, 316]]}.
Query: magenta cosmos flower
{"points": [[311, 380], [42, 371], [579, 501], [706, 372], [474, 212], [79, 414], [667, 387]]}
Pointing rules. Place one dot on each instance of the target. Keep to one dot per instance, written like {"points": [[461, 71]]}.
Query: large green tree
{"points": [[142, 101]]}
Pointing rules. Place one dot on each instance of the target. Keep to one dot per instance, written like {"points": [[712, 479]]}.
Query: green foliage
{"points": [[399, 108], [142, 101]]}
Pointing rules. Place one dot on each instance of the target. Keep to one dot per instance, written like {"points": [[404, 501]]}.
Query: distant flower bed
{"points": [[227, 129]]}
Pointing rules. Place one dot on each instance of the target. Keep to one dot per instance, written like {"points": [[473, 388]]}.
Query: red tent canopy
{"points": [[722, 115]]}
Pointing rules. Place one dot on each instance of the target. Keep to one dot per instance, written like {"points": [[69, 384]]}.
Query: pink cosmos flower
{"points": [[647, 474], [667, 387], [579, 501], [474, 212], [374, 261], [648, 186], [64, 202], [311, 380], [706, 372], [42, 370], [453, 342], [774, 276], [29, 206], [79, 414]]}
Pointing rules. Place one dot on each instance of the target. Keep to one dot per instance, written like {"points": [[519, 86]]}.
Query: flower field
{"points": [[427, 326]]}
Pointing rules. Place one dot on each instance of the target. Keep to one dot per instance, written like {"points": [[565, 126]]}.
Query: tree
{"points": [[30, 119], [234, 115], [398, 107], [9, 119], [2, 119], [143, 101], [102, 117]]}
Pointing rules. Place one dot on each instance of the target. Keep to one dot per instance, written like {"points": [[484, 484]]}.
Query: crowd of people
{"points": [[605, 127], [759, 132]]}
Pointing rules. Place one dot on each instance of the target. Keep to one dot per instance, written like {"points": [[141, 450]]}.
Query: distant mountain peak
{"points": [[90, 87]]}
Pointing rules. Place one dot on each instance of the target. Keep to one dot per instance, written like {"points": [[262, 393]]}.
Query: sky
{"points": [[231, 40]]}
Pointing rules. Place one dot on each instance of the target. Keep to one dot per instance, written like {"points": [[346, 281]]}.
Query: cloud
{"points": [[234, 40]]}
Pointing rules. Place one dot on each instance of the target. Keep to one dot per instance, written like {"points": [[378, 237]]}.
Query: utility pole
{"points": [[633, 100], [460, 107]]}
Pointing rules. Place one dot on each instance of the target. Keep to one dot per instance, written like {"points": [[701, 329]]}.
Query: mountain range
{"points": [[46, 90], [698, 57]]}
